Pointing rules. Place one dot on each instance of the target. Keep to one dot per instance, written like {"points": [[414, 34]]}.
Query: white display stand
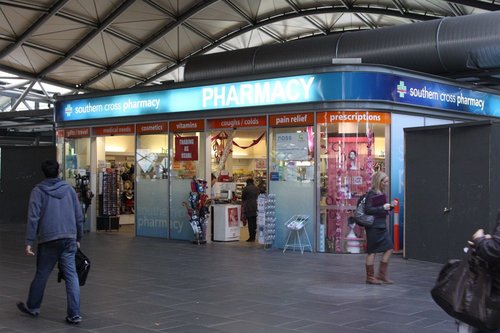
{"points": [[296, 226], [227, 222]]}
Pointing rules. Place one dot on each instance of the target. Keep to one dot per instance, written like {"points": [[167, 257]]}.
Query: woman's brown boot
{"points": [[370, 275], [382, 273]]}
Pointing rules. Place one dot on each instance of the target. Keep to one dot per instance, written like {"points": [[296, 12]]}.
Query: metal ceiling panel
{"points": [[250, 39], [91, 10], [179, 43], [176, 7], [263, 9], [28, 59], [59, 34], [293, 28], [217, 20], [111, 82], [73, 72], [14, 20], [105, 49], [139, 21], [144, 63]]}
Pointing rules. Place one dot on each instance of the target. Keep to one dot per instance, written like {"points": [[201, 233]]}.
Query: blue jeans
{"points": [[62, 250]]}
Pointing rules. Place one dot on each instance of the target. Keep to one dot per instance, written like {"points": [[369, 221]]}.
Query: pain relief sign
{"points": [[186, 148], [295, 119]]}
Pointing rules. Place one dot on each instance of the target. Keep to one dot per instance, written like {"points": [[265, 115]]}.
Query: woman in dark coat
{"points": [[249, 201], [377, 235]]}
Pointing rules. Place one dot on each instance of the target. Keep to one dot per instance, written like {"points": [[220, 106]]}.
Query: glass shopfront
{"points": [[152, 214], [76, 167], [187, 156], [353, 145], [317, 162], [291, 170], [238, 151]]}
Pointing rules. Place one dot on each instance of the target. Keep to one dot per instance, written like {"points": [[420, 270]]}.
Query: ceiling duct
{"points": [[444, 46]]}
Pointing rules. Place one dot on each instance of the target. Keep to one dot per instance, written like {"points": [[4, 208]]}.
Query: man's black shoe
{"points": [[251, 240], [24, 309]]}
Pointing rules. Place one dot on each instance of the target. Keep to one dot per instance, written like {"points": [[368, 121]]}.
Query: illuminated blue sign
{"points": [[323, 87]]}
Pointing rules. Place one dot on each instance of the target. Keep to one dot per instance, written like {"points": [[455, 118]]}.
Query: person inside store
{"points": [[487, 247], [262, 186], [55, 222], [249, 197], [377, 235]]}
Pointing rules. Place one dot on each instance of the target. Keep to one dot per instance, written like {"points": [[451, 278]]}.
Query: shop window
{"points": [[187, 162], [76, 157], [76, 171], [291, 178], [237, 155], [185, 156], [151, 156], [292, 157], [350, 152], [152, 190]]}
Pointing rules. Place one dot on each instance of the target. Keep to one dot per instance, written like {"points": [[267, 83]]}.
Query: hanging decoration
{"points": [[222, 145], [218, 145], [225, 152]]}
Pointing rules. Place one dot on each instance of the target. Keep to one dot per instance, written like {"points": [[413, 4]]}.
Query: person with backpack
{"points": [[55, 222], [377, 235]]}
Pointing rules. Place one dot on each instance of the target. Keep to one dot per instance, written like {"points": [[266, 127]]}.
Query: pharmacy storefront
{"points": [[312, 140]]}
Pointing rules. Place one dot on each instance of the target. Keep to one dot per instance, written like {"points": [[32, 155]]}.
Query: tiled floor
{"points": [[151, 285]]}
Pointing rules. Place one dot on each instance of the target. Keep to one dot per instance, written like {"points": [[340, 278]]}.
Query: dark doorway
{"points": [[449, 182]]}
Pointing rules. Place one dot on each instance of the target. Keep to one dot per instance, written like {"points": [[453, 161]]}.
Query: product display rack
{"points": [[108, 218], [297, 233], [266, 219]]}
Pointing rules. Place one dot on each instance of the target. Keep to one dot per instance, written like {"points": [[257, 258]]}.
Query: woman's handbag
{"points": [[463, 290], [361, 218]]}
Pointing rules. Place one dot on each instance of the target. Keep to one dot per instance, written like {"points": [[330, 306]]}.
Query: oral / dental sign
{"points": [[322, 87]]}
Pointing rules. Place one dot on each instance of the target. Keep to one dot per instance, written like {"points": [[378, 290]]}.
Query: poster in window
{"points": [[292, 146], [186, 148]]}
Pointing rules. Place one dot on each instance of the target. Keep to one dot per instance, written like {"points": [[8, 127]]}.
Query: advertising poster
{"points": [[186, 148], [232, 216], [291, 146]]}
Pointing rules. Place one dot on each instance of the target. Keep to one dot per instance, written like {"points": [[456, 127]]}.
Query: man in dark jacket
{"points": [[249, 200], [55, 222]]}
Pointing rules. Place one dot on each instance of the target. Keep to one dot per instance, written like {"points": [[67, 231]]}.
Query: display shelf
{"points": [[266, 219], [297, 234]]}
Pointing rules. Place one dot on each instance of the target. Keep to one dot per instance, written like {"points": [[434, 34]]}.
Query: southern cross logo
{"points": [[401, 89], [68, 110]]}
